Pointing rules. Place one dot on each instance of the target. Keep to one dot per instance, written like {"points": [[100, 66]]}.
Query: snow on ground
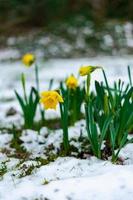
{"points": [[67, 178], [71, 178]]}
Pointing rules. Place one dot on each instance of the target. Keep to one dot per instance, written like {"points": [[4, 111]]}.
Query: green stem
{"points": [[24, 87], [99, 154], [106, 104], [37, 78], [74, 107], [114, 158], [129, 75], [88, 87], [109, 91], [65, 139], [64, 122], [38, 90]]}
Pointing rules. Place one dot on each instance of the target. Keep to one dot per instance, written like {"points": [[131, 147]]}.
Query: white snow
{"points": [[71, 178], [66, 177]]}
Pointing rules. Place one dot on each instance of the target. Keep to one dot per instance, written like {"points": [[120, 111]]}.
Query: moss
{"points": [[45, 182], [20, 152], [3, 169], [26, 170], [50, 158]]}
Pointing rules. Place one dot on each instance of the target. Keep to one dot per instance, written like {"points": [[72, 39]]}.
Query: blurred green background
{"points": [[38, 13], [67, 28]]}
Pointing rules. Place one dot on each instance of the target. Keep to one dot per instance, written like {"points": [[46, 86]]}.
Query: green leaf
{"points": [[129, 75], [50, 84], [105, 128], [108, 89], [21, 101]]}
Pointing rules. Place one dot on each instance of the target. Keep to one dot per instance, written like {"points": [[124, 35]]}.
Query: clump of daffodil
{"points": [[72, 82], [50, 99], [28, 59], [86, 70]]}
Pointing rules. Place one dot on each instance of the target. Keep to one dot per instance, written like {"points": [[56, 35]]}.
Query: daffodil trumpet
{"points": [[50, 99], [28, 59], [72, 82], [86, 71]]}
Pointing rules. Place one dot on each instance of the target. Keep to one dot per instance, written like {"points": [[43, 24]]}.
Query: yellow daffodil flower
{"points": [[28, 59], [50, 99], [72, 82], [86, 70]]}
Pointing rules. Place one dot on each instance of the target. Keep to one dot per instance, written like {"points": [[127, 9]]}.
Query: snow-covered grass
{"points": [[66, 177], [69, 178]]}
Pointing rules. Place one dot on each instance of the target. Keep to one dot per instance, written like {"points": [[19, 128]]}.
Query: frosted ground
{"points": [[66, 178]]}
